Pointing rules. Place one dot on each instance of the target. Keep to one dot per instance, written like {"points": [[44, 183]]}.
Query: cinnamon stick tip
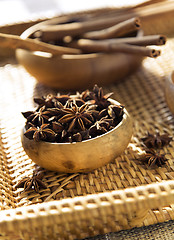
{"points": [[162, 39], [137, 23], [155, 53]]}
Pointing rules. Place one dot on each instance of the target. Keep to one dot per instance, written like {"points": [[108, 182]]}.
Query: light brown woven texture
{"points": [[121, 195]]}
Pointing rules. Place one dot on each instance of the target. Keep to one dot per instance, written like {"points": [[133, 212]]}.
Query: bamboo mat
{"points": [[143, 96]]}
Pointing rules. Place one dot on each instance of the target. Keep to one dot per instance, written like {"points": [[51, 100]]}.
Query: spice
{"points": [[156, 140], [99, 99], [77, 117], [39, 117], [41, 133], [34, 182], [65, 118], [153, 158]]}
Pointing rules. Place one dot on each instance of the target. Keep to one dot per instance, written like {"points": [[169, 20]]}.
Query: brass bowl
{"points": [[81, 156], [75, 72], [169, 91]]}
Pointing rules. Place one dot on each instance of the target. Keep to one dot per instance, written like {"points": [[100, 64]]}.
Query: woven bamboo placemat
{"points": [[143, 96], [160, 231]]}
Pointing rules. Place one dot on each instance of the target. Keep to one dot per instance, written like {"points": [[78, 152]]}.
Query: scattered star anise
{"points": [[153, 158], [156, 141], [40, 133], [34, 182]]}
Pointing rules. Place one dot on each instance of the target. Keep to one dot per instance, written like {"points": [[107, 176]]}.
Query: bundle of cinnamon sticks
{"points": [[102, 36], [113, 31]]}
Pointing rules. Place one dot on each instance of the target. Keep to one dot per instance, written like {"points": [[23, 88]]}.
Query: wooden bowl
{"points": [[76, 72], [169, 91], [81, 156]]}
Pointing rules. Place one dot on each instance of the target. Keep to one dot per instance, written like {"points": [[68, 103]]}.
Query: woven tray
{"points": [[121, 195]]}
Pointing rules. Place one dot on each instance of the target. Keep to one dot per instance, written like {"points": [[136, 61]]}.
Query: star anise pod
{"points": [[47, 101], [80, 136], [41, 133], [62, 98], [100, 127], [157, 140], [77, 101], [153, 158], [76, 117], [99, 98], [103, 113], [77, 137], [116, 111], [57, 127], [58, 104], [37, 117], [34, 182], [87, 95]]}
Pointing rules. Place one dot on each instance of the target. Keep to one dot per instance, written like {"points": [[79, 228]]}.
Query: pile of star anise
{"points": [[66, 118]]}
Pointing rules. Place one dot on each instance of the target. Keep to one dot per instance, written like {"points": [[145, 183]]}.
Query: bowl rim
{"points": [[124, 118]]}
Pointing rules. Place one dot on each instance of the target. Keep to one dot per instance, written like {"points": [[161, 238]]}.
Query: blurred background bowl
{"points": [[76, 72]]}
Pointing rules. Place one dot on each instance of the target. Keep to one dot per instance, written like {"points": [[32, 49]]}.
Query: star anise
{"points": [[153, 158], [47, 101], [62, 98], [34, 182], [103, 113], [100, 127], [41, 133], [157, 140], [76, 117], [77, 137], [80, 136], [99, 98], [115, 111], [77, 101], [87, 95], [57, 127], [37, 117]]}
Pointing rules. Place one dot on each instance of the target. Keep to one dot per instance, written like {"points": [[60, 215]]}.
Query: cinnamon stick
{"points": [[141, 41], [56, 32], [14, 42], [105, 46], [117, 30]]}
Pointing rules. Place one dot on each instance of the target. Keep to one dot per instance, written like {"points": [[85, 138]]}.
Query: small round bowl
{"points": [[76, 72], [169, 91], [81, 156]]}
